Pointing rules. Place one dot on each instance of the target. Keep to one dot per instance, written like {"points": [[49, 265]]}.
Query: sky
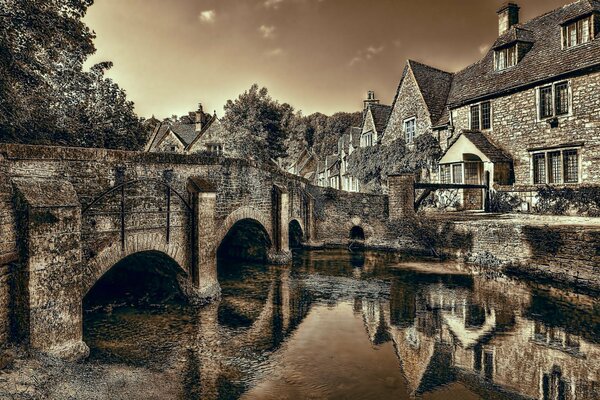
{"points": [[317, 55]]}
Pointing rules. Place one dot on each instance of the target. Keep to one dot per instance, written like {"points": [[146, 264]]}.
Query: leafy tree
{"points": [[324, 131], [258, 125], [372, 165], [45, 95]]}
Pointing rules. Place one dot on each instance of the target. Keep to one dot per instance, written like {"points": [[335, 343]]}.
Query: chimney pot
{"points": [[508, 15]]}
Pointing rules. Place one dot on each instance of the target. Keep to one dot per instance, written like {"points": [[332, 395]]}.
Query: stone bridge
{"points": [[67, 215]]}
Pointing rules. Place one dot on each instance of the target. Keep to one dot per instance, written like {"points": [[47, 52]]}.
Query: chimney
{"points": [[199, 118], [508, 15], [370, 99]]}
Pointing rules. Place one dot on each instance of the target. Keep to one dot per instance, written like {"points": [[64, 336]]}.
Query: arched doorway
{"points": [[357, 233], [247, 239], [296, 236]]}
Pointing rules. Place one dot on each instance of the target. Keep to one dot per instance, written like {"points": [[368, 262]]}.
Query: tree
{"points": [[372, 165], [45, 95], [325, 130], [258, 125]]}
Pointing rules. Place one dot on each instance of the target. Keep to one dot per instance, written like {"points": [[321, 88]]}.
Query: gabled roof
{"points": [[544, 61], [186, 132], [516, 33], [481, 143], [331, 159], [381, 115], [212, 120], [580, 9], [434, 85]]}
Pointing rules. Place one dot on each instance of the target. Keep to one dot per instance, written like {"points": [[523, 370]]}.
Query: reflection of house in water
{"points": [[483, 336]]}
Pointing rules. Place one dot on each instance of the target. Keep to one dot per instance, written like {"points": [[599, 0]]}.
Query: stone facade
{"points": [[516, 127], [409, 103]]}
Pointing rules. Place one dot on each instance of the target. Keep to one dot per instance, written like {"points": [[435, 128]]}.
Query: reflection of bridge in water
{"points": [[445, 329]]}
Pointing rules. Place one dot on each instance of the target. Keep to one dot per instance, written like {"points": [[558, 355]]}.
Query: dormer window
{"points": [[506, 58], [578, 32]]}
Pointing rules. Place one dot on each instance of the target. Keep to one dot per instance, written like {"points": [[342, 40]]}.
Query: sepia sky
{"points": [[318, 55]]}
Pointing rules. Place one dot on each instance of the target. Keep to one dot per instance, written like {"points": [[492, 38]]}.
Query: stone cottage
{"points": [[192, 133], [419, 103], [528, 113]]}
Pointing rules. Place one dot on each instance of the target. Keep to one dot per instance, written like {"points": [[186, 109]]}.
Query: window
{"points": [[539, 168], [481, 116], [457, 173], [556, 166], [472, 173], [486, 117], [578, 32], [571, 166], [554, 100], [561, 98], [506, 58], [445, 173], [409, 130], [475, 118], [546, 102]]}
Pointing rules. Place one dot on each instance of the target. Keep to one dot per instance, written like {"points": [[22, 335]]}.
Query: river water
{"points": [[342, 325]]}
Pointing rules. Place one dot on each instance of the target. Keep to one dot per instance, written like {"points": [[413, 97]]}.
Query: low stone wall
{"points": [[561, 249], [337, 212]]}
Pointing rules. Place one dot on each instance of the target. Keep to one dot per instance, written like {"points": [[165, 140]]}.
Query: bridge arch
{"points": [[141, 242], [296, 233], [243, 213], [245, 234], [140, 274]]}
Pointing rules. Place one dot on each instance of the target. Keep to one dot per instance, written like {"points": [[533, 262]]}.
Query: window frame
{"points": [[553, 102], [480, 114], [414, 132], [566, 29], [562, 163], [509, 55]]}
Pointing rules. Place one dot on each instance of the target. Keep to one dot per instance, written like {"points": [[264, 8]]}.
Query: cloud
{"points": [[267, 32], [274, 52], [272, 3], [207, 16], [366, 54], [484, 48]]}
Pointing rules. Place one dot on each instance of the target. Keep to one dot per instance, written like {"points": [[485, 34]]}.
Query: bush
{"points": [[502, 202], [560, 201]]}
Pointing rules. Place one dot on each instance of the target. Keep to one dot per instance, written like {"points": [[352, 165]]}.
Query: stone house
{"points": [[306, 165], [334, 171], [375, 119], [528, 113], [419, 103], [193, 133]]}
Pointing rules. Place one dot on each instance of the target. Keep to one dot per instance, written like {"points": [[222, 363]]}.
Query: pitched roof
{"points": [[434, 85], [481, 142], [186, 132], [544, 61], [515, 33], [381, 115]]}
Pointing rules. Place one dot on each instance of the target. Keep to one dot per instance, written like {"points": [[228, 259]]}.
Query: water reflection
{"points": [[363, 325]]}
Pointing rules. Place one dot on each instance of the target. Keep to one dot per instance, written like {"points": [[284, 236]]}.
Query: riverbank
{"points": [[556, 249]]}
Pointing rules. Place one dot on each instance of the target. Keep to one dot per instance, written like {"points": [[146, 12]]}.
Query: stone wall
{"points": [[337, 212], [516, 127], [409, 103], [569, 253]]}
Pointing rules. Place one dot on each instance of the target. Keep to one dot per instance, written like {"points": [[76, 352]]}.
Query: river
{"points": [[364, 325]]}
